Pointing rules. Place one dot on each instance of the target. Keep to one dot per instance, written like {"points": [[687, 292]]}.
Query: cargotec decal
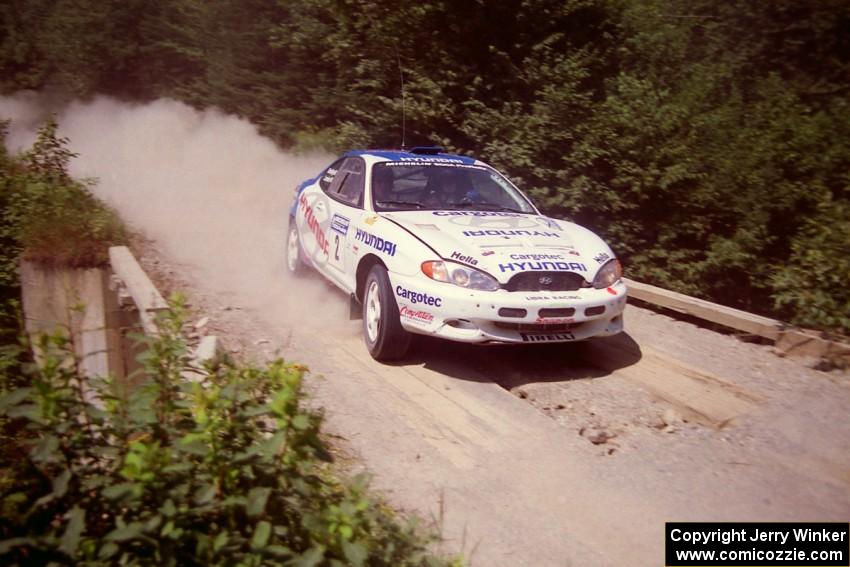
{"points": [[415, 297]]}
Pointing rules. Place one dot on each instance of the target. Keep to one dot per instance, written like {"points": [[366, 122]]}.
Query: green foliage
{"points": [[224, 469], [10, 353], [813, 284], [48, 216]]}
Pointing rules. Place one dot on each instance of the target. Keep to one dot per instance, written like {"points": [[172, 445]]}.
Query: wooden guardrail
{"points": [[790, 340], [148, 302], [146, 297], [720, 314]]}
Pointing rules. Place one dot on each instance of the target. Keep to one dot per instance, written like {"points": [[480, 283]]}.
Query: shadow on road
{"points": [[515, 365]]}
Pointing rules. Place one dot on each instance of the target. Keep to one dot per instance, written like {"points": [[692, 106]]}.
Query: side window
{"points": [[329, 175], [347, 184]]}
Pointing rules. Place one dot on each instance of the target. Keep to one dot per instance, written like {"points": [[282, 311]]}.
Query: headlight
{"points": [[449, 272], [608, 274]]}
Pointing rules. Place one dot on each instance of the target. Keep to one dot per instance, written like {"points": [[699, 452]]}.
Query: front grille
{"points": [[556, 312], [545, 281]]}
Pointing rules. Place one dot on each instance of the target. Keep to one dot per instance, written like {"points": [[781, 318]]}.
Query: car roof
{"points": [[414, 156]]}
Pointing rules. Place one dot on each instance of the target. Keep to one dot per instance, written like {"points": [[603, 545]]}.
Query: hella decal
{"points": [[602, 257], [415, 297], [376, 242], [463, 258], [313, 223], [544, 266]]}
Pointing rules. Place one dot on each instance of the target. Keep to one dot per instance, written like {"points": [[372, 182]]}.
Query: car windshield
{"points": [[400, 186]]}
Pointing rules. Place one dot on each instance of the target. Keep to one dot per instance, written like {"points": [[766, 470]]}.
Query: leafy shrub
{"points": [[50, 217], [814, 281], [227, 469]]}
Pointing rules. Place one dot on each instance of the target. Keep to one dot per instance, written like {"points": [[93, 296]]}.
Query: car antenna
{"points": [[401, 75]]}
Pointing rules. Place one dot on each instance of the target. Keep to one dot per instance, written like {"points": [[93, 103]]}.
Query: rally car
{"points": [[438, 244]]}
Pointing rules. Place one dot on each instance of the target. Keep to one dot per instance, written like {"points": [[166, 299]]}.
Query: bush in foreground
{"points": [[227, 469]]}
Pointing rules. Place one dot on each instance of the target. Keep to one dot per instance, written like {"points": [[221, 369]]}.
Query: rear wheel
{"points": [[294, 265], [385, 338]]}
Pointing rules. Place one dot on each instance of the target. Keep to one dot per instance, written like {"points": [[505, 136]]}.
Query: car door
{"points": [[345, 203]]}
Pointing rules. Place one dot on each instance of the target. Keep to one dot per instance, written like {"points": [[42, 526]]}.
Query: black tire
{"points": [[382, 331], [294, 265]]}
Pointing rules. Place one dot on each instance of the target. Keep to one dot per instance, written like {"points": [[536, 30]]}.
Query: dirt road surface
{"points": [[540, 455]]}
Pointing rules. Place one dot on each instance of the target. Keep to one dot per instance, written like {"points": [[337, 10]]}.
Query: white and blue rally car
{"points": [[444, 245]]}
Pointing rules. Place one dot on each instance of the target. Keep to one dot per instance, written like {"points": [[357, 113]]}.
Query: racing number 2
{"points": [[335, 259]]}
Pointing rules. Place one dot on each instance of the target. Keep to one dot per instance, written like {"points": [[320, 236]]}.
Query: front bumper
{"points": [[451, 312]]}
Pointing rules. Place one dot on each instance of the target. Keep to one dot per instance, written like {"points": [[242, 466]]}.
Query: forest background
{"points": [[707, 141]]}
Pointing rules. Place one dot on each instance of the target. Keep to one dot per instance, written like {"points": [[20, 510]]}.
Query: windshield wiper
{"points": [[487, 206], [400, 203]]}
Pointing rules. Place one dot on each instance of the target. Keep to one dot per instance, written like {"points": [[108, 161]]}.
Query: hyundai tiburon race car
{"points": [[439, 244]]}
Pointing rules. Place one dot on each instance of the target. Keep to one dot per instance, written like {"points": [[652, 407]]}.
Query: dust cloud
{"points": [[210, 191]]}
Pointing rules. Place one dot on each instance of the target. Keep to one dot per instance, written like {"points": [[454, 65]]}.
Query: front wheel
{"points": [[385, 338], [294, 265]]}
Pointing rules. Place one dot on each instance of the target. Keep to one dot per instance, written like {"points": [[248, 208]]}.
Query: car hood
{"points": [[504, 244]]}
